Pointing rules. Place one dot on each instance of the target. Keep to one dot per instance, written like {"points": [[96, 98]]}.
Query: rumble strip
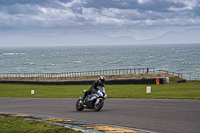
{"points": [[85, 127]]}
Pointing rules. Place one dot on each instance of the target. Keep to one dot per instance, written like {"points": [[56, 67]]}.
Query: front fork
{"points": [[97, 101], [81, 101]]}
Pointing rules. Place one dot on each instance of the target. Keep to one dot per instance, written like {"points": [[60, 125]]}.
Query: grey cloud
{"points": [[97, 13], [13, 2], [197, 11], [19, 9]]}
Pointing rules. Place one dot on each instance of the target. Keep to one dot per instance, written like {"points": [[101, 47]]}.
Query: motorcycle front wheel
{"points": [[97, 107], [79, 105]]}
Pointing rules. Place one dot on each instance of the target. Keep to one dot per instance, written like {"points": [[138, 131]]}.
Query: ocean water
{"points": [[180, 58]]}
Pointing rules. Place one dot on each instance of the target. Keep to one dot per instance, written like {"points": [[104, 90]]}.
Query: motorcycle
{"points": [[93, 101]]}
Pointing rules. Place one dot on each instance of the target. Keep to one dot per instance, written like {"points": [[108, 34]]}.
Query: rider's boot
{"points": [[85, 94]]}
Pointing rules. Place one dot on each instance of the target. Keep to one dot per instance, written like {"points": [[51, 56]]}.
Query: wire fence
{"points": [[187, 76], [93, 73], [191, 76]]}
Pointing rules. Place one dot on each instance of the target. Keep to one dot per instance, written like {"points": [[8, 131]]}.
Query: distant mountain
{"points": [[83, 38], [89, 38], [172, 37]]}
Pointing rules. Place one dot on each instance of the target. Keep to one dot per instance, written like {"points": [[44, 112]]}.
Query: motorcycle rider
{"points": [[94, 86]]}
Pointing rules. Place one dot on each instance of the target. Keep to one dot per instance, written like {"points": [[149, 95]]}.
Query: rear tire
{"points": [[79, 106], [99, 105]]}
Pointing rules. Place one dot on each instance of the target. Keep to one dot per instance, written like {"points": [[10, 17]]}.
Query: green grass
{"points": [[174, 90], [18, 125], [41, 91], [169, 91]]}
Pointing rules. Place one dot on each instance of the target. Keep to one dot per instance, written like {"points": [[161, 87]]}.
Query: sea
{"points": [[179, 58]]}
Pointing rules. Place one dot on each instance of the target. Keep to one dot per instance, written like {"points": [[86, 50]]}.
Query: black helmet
{"points": [[101, 79]]}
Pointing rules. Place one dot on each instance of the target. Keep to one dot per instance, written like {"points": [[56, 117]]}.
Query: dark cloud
{"points": [[154, 5], [98, 14], [197, 10], [13, 2]]}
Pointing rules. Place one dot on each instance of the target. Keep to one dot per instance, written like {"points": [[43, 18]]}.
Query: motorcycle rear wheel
{"points": [[99, 105], [79, 105]]}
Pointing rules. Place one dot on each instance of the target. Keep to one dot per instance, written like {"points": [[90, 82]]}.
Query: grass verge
{"points": [[18, 125], [173, 90]]}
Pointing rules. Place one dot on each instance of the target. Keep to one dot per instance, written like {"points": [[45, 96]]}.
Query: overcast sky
{"points": [[140, 19]]}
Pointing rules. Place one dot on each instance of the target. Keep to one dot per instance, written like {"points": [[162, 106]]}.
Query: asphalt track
{"points": [[156, 115]]}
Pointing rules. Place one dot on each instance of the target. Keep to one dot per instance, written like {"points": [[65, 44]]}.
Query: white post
{"points": [[32, 91], [148, 89], [167, 80]]}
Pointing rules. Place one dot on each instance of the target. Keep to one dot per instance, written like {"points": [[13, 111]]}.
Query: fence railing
{"points": [[191, 76], [92, 73]]}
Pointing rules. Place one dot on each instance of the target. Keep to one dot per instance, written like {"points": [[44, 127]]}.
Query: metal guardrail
{"points": [[92, 73]]}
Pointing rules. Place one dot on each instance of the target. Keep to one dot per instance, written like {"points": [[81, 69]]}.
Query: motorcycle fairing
{"points": [[89, 103]]}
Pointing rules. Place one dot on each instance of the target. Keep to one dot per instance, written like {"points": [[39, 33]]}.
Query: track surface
{"points": [[157, 115]]}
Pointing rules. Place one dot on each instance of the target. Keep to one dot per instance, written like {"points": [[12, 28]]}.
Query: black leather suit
{"points": [[93, 88]]}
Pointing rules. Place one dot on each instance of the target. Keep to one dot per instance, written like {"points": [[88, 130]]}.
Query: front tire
{"points": [[98, 106], [79, 105]]}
